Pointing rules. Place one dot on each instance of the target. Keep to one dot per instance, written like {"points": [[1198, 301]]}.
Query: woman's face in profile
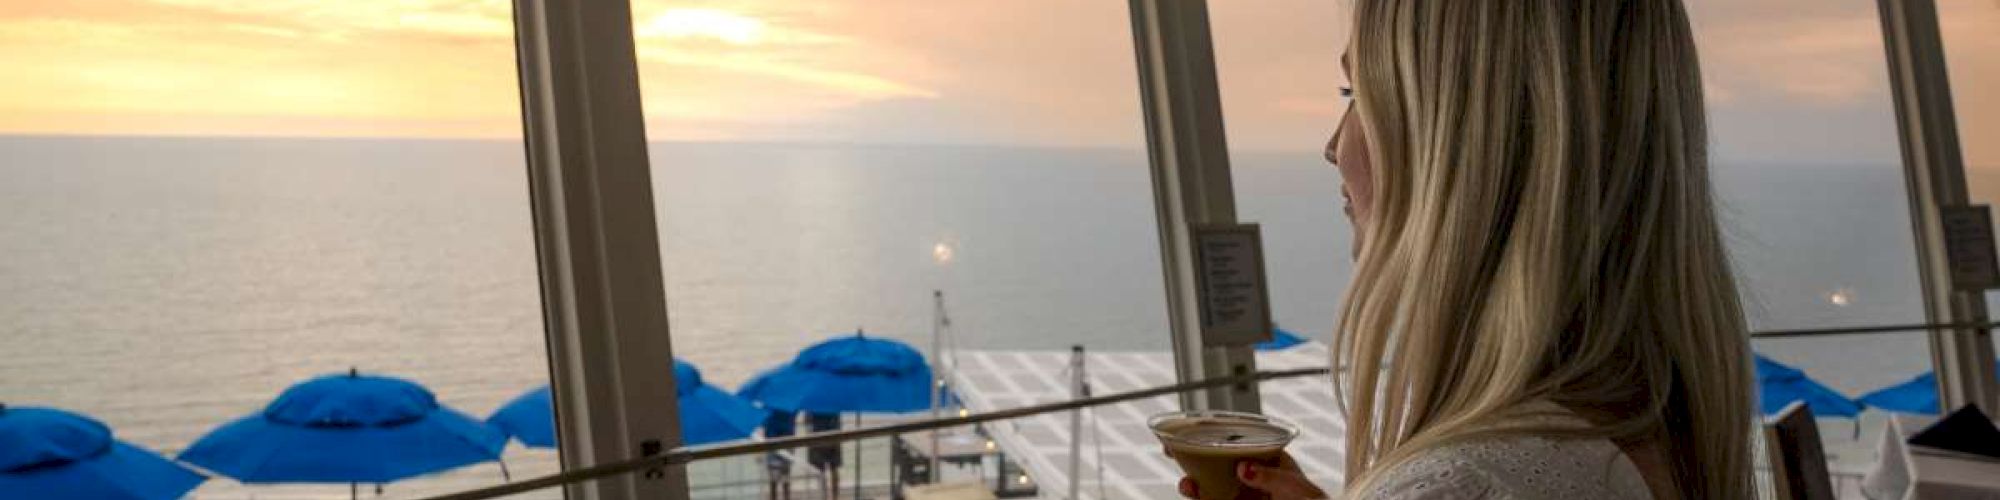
{"points": [[1347, 150]]}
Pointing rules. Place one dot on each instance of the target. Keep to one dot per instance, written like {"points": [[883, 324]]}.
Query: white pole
{"points": [[857, 458], [1076, 389], [937, 379]]}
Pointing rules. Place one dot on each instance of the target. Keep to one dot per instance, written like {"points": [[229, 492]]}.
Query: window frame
{"points": [[603, 300], [1188, 155]]}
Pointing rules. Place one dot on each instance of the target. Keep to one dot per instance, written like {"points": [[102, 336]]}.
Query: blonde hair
{"points": [[1542, 230]]}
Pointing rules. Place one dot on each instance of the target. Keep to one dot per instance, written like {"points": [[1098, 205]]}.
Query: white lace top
{"points": [[1515, 468]]}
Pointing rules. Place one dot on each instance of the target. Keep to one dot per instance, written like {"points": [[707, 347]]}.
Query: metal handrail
{"points": [[1916, 327], [679, 456]]}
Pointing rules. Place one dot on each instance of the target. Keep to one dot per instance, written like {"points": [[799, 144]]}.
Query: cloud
{"points": [[1799, 79], [1810, 62], [322, 67], [100, 66]]}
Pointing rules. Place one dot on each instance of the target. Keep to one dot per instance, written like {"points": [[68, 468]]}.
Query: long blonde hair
{"points": [[1543, 229]]}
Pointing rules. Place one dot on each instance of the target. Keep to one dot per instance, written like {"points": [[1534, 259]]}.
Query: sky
{"points": [[1789, 80]]}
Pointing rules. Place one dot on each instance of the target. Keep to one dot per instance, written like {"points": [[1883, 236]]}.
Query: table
{"points": [[962, 446], [1901, 473]]}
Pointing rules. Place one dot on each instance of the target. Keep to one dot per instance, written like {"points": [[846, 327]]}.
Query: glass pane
{"points": [[1278, 70], [1809, 166], [1811, 115], [1969, 48], [208, 202], [1807, 162], [822, 168], [1804, 152], [1809, 172]]}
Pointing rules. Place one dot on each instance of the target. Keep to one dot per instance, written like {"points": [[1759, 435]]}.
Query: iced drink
{"points": [[1209, 444]]}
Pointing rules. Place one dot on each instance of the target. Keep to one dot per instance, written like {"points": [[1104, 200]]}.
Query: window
{"points": [[210, 201], [1974, 70], [1805, 162], [822, 168], [1975, 75], [1278, 69], [1813, 201]]}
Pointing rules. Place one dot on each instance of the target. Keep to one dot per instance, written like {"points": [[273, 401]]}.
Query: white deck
{"points": [[1133, 467]]}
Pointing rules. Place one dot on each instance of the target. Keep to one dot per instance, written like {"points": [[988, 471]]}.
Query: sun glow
{"points": [[718, 24]]}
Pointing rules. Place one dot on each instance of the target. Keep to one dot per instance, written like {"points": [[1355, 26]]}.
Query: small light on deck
{"points": [[1840, 296], [941, 252], [990, 445], [1021, 479], [964, 412]]}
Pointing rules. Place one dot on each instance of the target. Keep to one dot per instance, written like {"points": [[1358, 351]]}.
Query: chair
{"points": [[1798, 463]]}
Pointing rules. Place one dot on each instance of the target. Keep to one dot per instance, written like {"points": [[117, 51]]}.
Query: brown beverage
{"points": [[1208, 445]]}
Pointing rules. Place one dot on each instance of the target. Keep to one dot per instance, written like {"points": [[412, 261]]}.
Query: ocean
{"points": [[169, 285]]}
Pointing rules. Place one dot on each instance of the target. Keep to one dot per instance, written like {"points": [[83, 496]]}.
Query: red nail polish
{"points": [[1249, 471]]}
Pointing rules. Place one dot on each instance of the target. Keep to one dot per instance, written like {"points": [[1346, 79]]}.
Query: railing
{"points": [[1916, 327], [680, 456]]}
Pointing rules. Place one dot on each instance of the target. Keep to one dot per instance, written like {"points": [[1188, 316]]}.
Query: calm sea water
{"points": [[166, 286]]}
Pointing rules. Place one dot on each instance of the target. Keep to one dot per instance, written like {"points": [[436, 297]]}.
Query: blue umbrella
{"points": [[847, 374], [348, 428], [1280, 340], [1779, 385], [708, 415], [50, 453], [530, 418], [1919, 395]]}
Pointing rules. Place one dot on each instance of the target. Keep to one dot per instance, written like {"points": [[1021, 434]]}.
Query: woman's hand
{"points": [[1283, 482]]}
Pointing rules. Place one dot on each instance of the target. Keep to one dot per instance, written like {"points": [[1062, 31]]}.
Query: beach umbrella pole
{"points": [[857, 459], [937, 384], [1076, 422]]}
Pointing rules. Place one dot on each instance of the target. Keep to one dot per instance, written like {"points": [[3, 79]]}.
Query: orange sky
{"points": [[1790, 78]]}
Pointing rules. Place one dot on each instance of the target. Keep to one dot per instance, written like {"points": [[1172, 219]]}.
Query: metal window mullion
{"points": [[1934, 170], [590, 186], [1191, 179]]}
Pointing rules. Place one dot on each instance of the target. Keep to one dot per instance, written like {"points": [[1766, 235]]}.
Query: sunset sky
{"points": [[1799, 80]]}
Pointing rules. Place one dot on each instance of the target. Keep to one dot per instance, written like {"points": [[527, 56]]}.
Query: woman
{"points": [[1541, 307]]}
